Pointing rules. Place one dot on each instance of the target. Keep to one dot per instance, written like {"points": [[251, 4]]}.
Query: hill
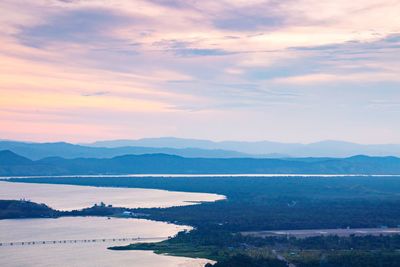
{"points": [[37, 151], [12, 209], [317, 149], [11, 165]]}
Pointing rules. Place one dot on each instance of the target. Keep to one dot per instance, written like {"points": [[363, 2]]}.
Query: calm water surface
{"points": [[85, 254], [69, 197]]}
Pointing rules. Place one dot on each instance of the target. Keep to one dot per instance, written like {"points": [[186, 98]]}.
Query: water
{"points": [[260, 175], [85, 254], [70, 197], [83, 228], [93, 255]]}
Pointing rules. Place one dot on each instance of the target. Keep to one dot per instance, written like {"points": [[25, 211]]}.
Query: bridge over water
{"points": [[80, 241]]}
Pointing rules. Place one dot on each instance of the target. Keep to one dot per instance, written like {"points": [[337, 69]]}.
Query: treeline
{"points": [[12, 164], [350, 259], [230, 241], [18, 209], [242, 260], [235, 250], [352, 242], [278, 215]]}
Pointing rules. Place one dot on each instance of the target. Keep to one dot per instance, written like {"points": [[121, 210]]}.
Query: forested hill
{"points": [[36, 151], [12, 164]]}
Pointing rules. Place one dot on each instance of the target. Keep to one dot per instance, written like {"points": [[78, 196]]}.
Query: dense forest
{"points": [[12, 164], [18, 209]]}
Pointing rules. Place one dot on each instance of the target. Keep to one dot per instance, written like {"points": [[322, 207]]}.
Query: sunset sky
{"points": [[279, 70]]}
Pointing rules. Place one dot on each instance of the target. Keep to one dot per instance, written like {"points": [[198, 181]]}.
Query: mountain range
{"points": [[193, 148], [265, 148], [12, 164], [37, 151]]}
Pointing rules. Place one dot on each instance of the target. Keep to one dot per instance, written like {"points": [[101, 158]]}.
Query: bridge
{"points": [[80, 241]]}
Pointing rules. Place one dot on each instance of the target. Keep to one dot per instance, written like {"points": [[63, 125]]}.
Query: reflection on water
{"points": [[69, 197], [85, 254], [91, 255]]}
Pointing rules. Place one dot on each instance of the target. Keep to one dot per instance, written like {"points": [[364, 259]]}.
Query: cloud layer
{"points": [[286, 70]]}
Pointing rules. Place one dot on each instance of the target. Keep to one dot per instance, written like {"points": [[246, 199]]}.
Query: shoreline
{"points": [[255, 175]]}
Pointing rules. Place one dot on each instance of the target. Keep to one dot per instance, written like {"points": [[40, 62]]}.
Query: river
{"points": [[67, 197]]}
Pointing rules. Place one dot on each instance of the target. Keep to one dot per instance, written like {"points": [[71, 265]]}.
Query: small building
{"points": [[127, 214]]}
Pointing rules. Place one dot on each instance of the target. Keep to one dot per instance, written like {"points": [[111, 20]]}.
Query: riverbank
{"points": [[24, 209], [83, 241], [272, 204]]}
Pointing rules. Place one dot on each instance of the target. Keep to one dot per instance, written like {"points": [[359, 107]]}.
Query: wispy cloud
{"points": [[99, 93], [156, 67]]}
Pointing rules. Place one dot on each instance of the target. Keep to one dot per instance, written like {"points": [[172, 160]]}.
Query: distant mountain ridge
{"points": [[319, 149], [8, 157], [193, 148], [12, 164], [37, 151]]}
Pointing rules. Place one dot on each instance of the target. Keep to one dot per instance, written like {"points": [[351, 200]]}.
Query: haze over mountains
{"points": [[264, 148], [188, 156], [193, 148], [37, 151], [12, 164]]}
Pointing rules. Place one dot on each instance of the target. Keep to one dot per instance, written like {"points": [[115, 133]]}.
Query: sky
{"points": [[279, 70]]}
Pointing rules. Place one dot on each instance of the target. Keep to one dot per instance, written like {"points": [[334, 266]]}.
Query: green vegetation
{"points": [[243, 260], [270, 203], [274, 203], [234, 249], [226, 248], [176, 249], [17, 209], [12, 164], [346, 259], [13, 209]]}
